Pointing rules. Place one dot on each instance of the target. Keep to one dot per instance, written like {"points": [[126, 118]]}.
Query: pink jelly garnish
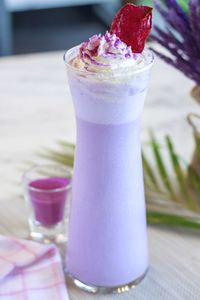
{"points": [[132, 24]]}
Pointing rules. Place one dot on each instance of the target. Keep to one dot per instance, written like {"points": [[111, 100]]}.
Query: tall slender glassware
{"points": [[107, 248]]}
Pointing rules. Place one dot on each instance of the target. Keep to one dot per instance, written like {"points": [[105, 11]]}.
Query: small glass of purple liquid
{"points": [[48, 195]]}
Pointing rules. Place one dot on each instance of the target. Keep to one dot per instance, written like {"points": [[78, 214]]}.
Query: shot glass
{"points": [[48, 195]]}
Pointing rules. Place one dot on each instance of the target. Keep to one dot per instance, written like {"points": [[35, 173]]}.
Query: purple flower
{"points": [[181, 36]]}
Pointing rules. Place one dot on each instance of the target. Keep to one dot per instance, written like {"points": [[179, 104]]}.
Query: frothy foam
{"points": [[108, 54]]}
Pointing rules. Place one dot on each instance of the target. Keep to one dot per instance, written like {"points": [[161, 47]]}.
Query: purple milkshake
{"points": [[107, 245]]}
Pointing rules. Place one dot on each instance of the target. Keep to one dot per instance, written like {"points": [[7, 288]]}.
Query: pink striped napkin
{"points": [[30, 271]]}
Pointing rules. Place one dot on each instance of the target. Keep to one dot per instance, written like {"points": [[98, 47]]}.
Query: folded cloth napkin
{"points": [[30, 271]]}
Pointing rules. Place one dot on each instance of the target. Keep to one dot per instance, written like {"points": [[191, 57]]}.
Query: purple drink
{"points": [[107, 245], [48, 198], [48, 207], [108, 206]]}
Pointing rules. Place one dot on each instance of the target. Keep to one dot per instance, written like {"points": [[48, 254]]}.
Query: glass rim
{"points": [[26, 180], [104, 75]]}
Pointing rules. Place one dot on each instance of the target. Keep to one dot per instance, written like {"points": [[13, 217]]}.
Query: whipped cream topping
{"points": [[107, 53]]}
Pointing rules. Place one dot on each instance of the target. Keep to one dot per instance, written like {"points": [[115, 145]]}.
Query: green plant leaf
{"points": [[194, 180], [180, 176], [197, 142], [162, 168], [157, 218], [149, 173], [58, 157]]}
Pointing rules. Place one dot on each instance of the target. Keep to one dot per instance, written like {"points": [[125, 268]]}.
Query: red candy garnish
{"points": [[132, 24]]}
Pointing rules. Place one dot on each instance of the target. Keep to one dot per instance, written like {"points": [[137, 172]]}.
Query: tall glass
{"points": [[107, 248]]}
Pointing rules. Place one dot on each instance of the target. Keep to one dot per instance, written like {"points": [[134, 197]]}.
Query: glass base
{"points": [[105, 290], [48, 234]]}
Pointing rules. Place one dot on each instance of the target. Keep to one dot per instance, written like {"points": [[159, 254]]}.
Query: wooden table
{"points": [[35, 111]]}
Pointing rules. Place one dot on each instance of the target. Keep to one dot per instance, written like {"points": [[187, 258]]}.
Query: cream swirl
{"points": [[105, 53]]}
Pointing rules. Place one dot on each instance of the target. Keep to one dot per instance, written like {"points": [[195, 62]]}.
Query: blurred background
{"points": [[28, 26]]}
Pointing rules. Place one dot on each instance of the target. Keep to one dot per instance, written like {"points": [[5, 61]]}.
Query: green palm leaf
{"points": [[171, 220], [180, 176], [150, 177], [161, 168]]}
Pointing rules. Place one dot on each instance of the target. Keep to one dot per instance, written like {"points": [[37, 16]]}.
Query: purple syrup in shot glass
{"points": [[48, 197]]}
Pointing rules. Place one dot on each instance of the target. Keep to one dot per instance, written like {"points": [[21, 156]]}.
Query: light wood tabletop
{"points": [[36, 111]]}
